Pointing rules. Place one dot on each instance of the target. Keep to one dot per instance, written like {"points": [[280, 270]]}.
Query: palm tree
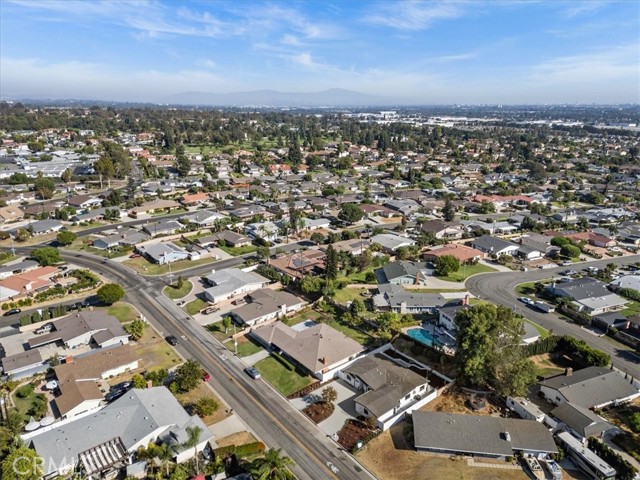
{"points": [[193, 441], [273, 466], [164, 454]]}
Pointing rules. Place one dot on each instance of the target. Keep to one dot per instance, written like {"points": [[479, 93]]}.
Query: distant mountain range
{"points": [[329, 98]]}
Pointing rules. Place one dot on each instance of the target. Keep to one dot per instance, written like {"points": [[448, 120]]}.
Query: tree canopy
{"points": [[351, 213], [110, 293], [446, 264], [66, 237], [46, 256], [489, 353]]}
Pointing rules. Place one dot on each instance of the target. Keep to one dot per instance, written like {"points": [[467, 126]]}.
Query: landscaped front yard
{"points": [[203, 391], [174, 293], [466, 271], [285, 380], [246, 346], [195, 306]]}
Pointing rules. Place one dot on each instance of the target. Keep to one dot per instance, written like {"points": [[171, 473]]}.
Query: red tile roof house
{"points": [[194, 199], [461, 252], [592, 238]]}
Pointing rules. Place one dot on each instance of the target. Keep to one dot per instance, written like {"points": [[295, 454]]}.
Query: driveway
{"points": [[344, 405]]}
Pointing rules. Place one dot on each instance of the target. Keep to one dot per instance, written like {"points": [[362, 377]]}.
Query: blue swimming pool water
{"points": [[421, 335]]}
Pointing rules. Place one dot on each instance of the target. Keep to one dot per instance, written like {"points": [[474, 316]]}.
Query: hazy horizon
{"points": [[386, 53]]}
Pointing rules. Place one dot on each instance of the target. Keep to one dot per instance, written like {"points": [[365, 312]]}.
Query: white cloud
{"points": [[583, 7], [414, 14]]}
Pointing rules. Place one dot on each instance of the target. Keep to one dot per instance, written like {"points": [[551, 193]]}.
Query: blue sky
{"points": [[429, 52]]}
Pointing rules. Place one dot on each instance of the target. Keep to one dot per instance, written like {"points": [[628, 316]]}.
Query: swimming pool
{"points": [[421, 335]]}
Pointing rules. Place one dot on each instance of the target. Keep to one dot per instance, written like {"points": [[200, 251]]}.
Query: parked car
{"points": [[526, 300], [172, 340], [181, 303], [252, 372], [114, 394], [135, 255], [209, 310], [13, 311], [566, 263], [206, 376], [121, 386], [44, 329]]}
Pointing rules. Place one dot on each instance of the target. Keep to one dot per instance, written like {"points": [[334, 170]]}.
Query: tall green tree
{"points": [[46, 256], [489, 353], [22, 463], [44, 186], [66, 237], [446, 264], [110, 293], [448, 211], [331, 263], [351, 213]]}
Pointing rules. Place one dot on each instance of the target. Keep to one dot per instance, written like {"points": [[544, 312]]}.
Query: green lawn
{"points": [[143, 266], [346, 295], [280, 377], [435, 290], [23, 405], [217, 330], [633, 308], [246, 346], [174, 292], [237, 251], [466, 271], [195, 306], [301, 317], [357, 335], [124, 312], [526, 288], [357, 277], [80, 246]]}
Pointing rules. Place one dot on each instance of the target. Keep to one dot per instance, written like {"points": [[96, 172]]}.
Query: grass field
{"points": [[466, 271], [195, 306], [237, 251], [358, 336], [124, 312], [143, 266], [246, 346], [175, 293], [280, 377], [632, 308], [346, 295], [301, 317]]}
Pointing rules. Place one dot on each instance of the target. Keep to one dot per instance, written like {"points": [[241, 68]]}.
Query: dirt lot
{"points": [[454, 401], [391, 457], [549, 365], [240, 438]]}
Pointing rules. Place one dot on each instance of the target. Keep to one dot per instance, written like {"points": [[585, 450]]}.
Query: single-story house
{"points": [[77, 377], [298, 265], [232, 282], [154, 206], [355, 246], [28, 282], [123, 238], [315, 223], [106, 440], [266, 304], [589, 295], [11, 213], [390, 389], [494, 246], [480, 436], [581, 421], [194, 199], [84, 202], [225, 237], [391, 242], [320, 349], [461, 252], [268, 231], [442, 230], [84, 328], [592, 239], [202, 218], [162, 227], [163, 252], [42, 227], [394, 298], [21, 362], [591, 387], [403, 272], [17, 268]]}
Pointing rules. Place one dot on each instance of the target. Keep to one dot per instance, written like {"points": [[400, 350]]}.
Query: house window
{"points": [[407, 397], [366, 412], [422, 388]]}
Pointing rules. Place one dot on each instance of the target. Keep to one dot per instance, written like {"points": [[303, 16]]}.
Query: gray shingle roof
{"points": [[402, 268], [388, 381], [592, 386], [581, 420], [454, 432]]}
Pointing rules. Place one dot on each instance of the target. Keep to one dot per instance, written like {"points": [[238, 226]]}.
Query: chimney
{"points": [[568, 371], [465, 301], [68, 359], [325, 362]]}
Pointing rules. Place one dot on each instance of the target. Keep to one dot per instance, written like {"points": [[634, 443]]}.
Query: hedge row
{"points": [[240, 451]]}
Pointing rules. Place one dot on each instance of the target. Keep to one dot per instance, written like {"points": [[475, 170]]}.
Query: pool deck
{"points": [[445, 339]]}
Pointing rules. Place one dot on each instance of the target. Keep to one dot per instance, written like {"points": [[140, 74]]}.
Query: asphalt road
{"points": [[500, 288], [266, 411]]}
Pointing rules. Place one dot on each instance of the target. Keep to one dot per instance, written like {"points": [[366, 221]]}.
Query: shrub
{"points": [[205, 406], [25, 391], [249, 449], [224, 452]]}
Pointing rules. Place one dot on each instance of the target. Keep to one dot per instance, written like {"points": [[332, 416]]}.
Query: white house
{"points": [[391, 389], [265, 305], [232, 282], [163, 253]]}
